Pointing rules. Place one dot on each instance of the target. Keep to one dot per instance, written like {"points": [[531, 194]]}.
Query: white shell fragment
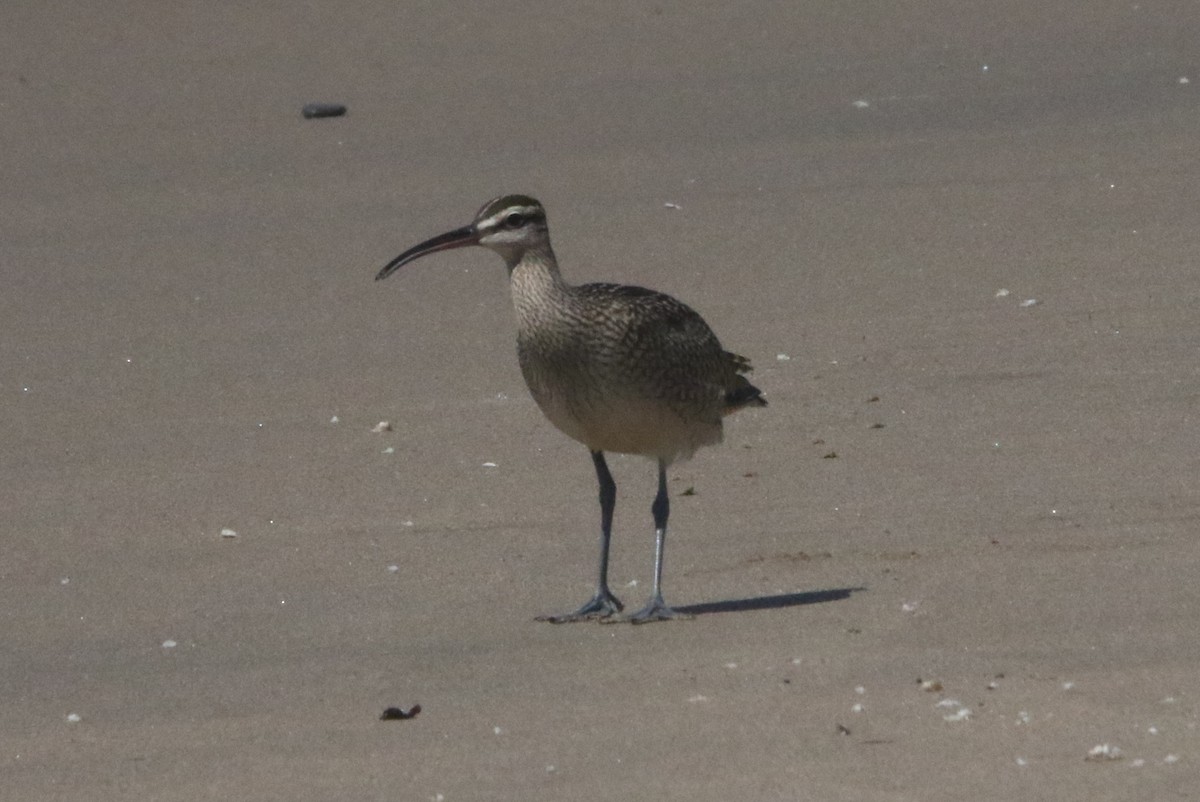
{"points": [[861, 104], [962, 714], [73, 718], [382, 426], [1028, 302], [1104, 752], [169, 644], [228, 533]]}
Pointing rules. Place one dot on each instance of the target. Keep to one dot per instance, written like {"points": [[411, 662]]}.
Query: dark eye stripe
{"points": [[516, 219]]}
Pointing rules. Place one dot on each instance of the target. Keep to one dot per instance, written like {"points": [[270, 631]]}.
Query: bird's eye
{"points": [[514, 220]]}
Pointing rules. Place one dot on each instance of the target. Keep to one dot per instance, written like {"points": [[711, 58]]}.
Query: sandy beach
{"points": [[956, 558]]}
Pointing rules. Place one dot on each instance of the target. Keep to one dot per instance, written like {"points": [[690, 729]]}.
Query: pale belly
{"points": [[625, 423]]}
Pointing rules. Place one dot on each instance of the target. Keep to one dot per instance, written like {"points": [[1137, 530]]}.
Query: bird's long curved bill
{"points": [[458, 238]]}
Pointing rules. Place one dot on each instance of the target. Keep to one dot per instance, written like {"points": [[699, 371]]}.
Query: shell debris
{"points": [[1104, 752]]}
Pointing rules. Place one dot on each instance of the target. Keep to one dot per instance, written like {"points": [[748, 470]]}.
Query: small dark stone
{"points": [[314, 110], [396, 714]]}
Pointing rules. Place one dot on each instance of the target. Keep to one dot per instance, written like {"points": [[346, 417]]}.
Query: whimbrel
{"points": [[618, 368]]}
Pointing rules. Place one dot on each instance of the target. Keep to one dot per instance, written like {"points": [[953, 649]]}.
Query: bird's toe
{"points": [[603, 605], [656, 610]]}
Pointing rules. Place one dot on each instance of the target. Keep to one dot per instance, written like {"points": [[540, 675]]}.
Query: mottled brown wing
{"points": [[678, 357]]}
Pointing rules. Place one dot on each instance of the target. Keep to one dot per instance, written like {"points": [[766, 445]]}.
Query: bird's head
{"points": [[509, 225]]}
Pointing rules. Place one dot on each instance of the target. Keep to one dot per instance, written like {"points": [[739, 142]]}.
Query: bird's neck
{"points": [[536, 281]]}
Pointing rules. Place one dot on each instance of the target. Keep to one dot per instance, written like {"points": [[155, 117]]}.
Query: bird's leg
{"points": [[604, 603], [656, 609]]}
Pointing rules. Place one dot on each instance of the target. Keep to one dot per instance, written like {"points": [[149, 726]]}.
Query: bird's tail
{"points": [[742, 393]]}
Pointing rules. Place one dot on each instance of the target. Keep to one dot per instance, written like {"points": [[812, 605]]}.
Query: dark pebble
{"points": [[313, 110], [396, 714]]}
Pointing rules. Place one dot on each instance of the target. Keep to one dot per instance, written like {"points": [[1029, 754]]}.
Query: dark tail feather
{"points": [[740, 363], [744, 395]]}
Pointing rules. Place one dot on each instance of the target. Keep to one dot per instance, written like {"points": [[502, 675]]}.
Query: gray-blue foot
{"points": [[602, 605], [656, 610]]}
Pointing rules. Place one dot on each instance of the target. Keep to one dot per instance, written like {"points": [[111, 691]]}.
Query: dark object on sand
{"points": [[315, 110], [396, 714]]}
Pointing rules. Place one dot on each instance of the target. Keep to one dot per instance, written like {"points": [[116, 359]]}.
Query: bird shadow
{"points": [[769, 602]]}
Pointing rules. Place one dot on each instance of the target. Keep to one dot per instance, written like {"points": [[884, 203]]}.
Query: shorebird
{"points": [[618, 368]]}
